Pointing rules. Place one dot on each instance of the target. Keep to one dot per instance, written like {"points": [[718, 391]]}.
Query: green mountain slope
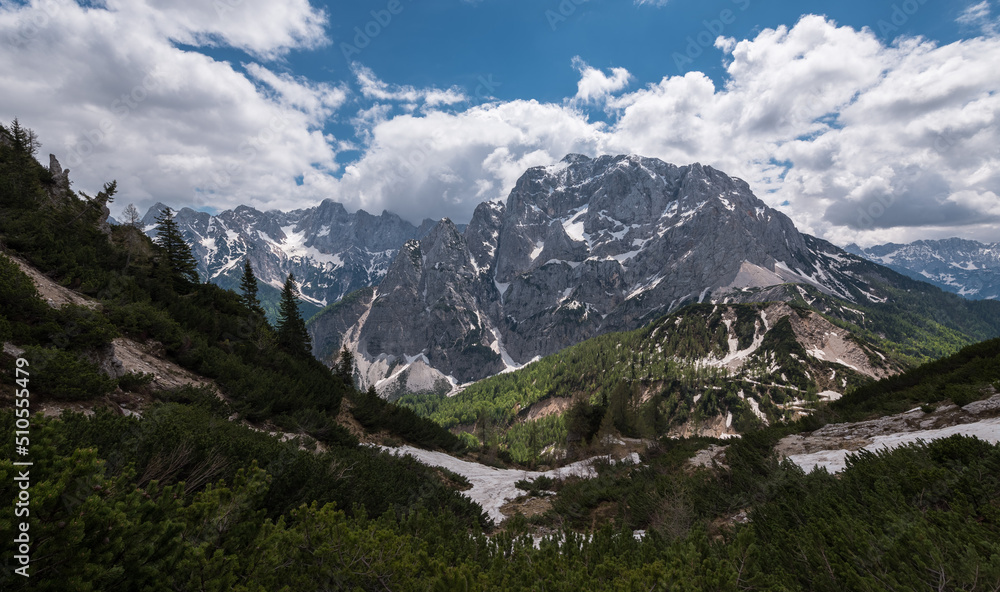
{"points": [[704, 370], [713, 369]]}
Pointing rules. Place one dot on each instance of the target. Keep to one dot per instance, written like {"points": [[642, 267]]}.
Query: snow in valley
{"points": [[829, 446], [836, 460], [492, 487]]}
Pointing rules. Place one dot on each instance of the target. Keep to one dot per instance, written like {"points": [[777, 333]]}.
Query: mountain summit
{"points": [[580, 248]]}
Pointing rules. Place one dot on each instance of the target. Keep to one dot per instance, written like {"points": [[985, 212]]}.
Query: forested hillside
{"points": [[195, 489], [706, 369]]}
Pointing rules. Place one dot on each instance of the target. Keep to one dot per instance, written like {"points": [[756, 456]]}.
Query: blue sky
{"points": [[863, 121], [528, 45]]}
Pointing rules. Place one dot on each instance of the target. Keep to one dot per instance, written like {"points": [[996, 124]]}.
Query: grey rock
{"points": [[59, 190], [331, 251], [579, 249]]}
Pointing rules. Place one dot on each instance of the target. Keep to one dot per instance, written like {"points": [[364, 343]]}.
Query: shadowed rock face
{"points": [[581, 248]]}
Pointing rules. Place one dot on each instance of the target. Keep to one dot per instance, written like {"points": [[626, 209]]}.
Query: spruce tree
{"points": [[25, 141], [248, 285], [345, 367], [179, 260], [291, 329]]}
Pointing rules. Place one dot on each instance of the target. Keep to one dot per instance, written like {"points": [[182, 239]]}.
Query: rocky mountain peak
{"points": [[573, 157], [582, 247], [444, 245], [331, 251], [152, 214]]}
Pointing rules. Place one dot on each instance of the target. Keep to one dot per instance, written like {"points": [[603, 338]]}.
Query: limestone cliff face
{"points": [[582, 248]]}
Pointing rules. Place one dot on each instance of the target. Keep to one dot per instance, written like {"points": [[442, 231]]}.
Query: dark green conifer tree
{"points": [[179, 260], [292, 334], [248, 285], [345, 367]]}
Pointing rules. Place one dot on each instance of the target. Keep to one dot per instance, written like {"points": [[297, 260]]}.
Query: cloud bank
{"points": [[855, 138]]}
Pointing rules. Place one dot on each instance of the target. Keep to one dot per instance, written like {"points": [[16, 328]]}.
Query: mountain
{"points": [[331, 252], [967, 268], [705, 370], [294, 502], [579, 249]]}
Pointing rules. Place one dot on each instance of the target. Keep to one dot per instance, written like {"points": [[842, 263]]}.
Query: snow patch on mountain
{"points": [[294, 246], [493, 487], [836, 460]]}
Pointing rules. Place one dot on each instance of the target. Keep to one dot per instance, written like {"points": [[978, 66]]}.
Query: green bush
{"points": [[962, 394], [134, 381], [83, 328], [64, 376]]}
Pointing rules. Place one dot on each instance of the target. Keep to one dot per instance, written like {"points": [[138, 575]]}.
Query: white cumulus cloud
{"points": [[857, 139], [595, 85]]}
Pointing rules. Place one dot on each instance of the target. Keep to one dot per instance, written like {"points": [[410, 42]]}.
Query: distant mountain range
{"points": [[582, 248], [331, 252], [965, 267]]}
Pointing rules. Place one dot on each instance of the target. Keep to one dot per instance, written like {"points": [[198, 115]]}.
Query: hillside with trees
{"points": [[670, 377], [256, 482]]}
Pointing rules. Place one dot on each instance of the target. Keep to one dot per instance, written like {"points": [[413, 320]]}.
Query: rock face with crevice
{"points": [[581, 248]]}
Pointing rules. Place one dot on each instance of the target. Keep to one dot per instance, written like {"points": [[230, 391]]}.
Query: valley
{"points": [[181, 438]]}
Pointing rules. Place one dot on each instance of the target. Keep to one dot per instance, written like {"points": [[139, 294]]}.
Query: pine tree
{"points": [[248, 285], [25, 140], [179, 260], [292, 334], [345, 367]]}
